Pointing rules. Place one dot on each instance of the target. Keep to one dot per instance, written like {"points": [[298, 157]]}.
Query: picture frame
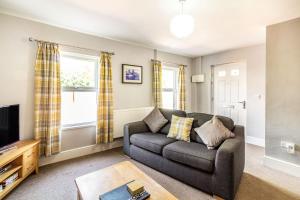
{"points": [[132, 74]]}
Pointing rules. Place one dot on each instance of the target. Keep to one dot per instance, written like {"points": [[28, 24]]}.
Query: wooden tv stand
{"points": [[24, 160]]}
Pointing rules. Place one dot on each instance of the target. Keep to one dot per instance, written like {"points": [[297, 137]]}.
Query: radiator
{"points": [[124, 116]]}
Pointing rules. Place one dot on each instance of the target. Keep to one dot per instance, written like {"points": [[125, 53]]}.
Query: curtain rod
{"points": [[67, 45], [166, 62]]}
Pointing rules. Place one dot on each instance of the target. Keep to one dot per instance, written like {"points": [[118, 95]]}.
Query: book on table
{"points": [[122, 193]]}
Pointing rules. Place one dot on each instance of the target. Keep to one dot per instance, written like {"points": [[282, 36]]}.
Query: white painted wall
{"points": [[255, 59], [17, 57]]}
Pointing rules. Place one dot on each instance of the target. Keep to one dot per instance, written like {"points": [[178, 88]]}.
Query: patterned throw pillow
{"points": [[213, 133], [180, 128]]}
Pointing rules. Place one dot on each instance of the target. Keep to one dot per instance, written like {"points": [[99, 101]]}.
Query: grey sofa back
{"points": [[168, 115], [203, 117]]}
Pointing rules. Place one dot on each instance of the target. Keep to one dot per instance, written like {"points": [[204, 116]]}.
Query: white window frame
{"points": [[175, 71], [78, 56]]}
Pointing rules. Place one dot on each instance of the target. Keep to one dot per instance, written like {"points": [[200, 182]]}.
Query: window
{"points": [[222, 73], [235, 72], [79, 89], [169, 87]]}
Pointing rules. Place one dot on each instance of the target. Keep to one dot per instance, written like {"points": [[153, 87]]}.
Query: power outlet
{"points": [[288, 146]]}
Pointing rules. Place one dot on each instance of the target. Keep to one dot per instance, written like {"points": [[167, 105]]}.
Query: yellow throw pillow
{"points": [[180, 128]]}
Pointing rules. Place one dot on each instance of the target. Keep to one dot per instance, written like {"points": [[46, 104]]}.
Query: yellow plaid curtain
{"points": [[47, 106], [157, 83], [105, 101], [181, 85]]}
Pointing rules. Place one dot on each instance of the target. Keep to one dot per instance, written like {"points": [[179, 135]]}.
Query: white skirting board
{"points": [[255, 141], [280, 165]]}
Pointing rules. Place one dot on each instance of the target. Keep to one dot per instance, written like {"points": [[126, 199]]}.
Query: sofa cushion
{"points": [[153, 142], [155, 120], [203, 117], [213, 133], [168, 115], [192, 154], [180, 128]]}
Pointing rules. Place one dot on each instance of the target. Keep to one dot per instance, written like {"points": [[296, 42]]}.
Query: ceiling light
{"points": [[182, 25]]}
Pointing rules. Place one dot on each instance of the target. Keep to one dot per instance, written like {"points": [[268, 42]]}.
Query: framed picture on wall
{"points": [[132, 74]]}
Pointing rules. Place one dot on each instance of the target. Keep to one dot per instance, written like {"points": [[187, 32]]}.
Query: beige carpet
{"points": [[55, 182]]}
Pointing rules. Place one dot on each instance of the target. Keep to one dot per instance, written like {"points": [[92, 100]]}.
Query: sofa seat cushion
{"points": [[192, 154], [153, 142]]}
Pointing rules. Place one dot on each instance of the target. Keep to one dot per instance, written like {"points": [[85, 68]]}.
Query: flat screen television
{"points": [[9, 125]]}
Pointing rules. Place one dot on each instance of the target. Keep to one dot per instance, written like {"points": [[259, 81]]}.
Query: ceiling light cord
{"points": [[181, 10], [182, 25]]}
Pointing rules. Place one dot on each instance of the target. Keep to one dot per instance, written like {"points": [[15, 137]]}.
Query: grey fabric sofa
{"points": [[217, 172]]}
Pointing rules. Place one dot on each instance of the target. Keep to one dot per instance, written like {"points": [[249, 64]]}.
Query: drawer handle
{"points": [[30, 167]]}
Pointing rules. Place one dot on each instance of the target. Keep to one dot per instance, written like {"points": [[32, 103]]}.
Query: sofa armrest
{"points": [[229, 165], [130, 129]]}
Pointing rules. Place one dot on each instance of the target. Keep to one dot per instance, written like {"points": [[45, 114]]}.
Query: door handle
{"points": [[244, 104]]}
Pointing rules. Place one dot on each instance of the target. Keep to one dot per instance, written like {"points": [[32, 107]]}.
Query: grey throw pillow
{"points": [[213, 133], [155, 120]]}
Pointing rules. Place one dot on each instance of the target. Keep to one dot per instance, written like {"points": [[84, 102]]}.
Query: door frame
{"points": [[212, 88]]}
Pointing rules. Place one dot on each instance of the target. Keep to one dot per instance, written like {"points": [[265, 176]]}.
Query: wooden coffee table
{"points": [[91, 185]]}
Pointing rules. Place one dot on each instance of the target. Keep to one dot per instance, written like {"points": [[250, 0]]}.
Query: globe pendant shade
{"points": [[182, 26]]}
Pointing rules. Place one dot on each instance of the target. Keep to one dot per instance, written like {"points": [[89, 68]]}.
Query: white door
{"points": [[229, 85]]}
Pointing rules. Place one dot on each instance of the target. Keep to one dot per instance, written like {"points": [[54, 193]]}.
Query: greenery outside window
{"points": [[79, 89]]}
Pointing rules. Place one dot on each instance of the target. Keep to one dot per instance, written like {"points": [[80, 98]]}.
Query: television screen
{"points": [[9, 125]]}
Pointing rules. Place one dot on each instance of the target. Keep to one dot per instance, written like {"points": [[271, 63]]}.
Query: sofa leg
{"points": [[215, 197]]}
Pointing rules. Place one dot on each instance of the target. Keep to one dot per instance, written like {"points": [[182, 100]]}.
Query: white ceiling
{"points": [[220, 24]]}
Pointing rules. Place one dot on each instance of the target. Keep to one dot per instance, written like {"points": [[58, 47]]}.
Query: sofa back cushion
{"points": [[203, 117], [194, 136], [168, 115]]}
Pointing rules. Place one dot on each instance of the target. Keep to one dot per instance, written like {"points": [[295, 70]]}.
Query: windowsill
{"points": [[78, 126]]}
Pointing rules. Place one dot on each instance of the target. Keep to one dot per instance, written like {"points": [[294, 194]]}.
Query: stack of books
{"points": [[130, 191], [9, 181]]}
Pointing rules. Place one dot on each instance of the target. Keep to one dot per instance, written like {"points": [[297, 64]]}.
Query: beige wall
{"points": [[255, 58], [196, 69], [17, 56], [283, 86]]}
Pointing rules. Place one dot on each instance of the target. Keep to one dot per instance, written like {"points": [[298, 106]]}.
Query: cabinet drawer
{"points": [[29, 166], [29, 154], [29, 160]]}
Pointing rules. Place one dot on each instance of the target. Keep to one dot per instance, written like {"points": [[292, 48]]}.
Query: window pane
{"points": [[168, 78], [78, 107], [77, 72], [222, 73], [168, 100], [235, 72]]}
